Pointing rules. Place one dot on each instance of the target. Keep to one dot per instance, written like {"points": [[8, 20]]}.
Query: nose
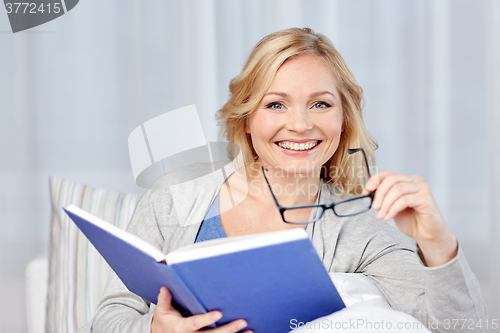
{"points": [[299, 120]]}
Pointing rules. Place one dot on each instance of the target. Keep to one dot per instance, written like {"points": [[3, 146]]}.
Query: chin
{"points": [[302, 168]]}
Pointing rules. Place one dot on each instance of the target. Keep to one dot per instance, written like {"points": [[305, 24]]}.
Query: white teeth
{"points": [[298, 146]]}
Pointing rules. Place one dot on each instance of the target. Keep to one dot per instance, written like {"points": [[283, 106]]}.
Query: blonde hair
{"points": [[249, 87]]}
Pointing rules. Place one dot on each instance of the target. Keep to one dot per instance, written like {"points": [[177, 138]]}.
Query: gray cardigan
{"points": [[169, 216]]}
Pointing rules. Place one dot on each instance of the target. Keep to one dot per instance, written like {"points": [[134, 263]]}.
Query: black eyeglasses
{"points": [[312, 213]]}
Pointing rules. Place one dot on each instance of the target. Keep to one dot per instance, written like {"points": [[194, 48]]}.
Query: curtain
{"points": [[493, 70], [74, 88]]}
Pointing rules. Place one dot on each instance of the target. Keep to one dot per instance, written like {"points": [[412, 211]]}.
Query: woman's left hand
{"points": [[408, 200]]}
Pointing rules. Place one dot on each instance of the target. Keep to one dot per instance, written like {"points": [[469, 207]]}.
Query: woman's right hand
{"points": [[167, 319]]}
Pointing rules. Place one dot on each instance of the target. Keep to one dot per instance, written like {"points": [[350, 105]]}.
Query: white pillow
{"points": [[355, 288]]}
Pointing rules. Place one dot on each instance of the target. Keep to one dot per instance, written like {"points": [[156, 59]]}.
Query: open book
{"points": [[268, 279]]}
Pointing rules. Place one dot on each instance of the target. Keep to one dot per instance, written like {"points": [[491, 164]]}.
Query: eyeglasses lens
{"points": [[302, 215], [353, 207]]}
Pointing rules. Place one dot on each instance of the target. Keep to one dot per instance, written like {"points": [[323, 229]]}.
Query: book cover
{"points": [[267, 279]]}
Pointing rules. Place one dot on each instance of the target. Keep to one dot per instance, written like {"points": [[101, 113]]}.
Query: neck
{"points": [[290, 188]]}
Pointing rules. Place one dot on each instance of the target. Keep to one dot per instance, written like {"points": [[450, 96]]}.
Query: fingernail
{"points": [[216, 315], [375, 204], [241, 324], [380, 214]]}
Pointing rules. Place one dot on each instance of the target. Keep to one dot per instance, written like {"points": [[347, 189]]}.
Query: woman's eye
{"points": [[275, 106], [322, 105]]}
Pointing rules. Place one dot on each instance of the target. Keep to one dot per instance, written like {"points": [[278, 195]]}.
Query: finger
{"points": [[402, 203], [196, 322], [375, 180], [385, 185], [396, 191], [231, 327], [164, 303]]}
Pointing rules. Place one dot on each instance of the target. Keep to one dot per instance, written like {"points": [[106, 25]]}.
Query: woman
{"points": [[296, 109]]}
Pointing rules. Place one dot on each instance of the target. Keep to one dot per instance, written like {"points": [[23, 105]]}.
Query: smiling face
{"points": [[298, 123]]}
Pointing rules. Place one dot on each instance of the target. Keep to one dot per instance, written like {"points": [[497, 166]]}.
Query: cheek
{"points": [[261, 127], [335, 128], [333, 133]]}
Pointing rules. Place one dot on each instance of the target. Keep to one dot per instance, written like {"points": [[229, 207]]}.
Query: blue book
{"points": [[272, 280]]}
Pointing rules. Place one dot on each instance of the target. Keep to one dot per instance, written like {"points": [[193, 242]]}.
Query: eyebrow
{"points": [[316, 94]]}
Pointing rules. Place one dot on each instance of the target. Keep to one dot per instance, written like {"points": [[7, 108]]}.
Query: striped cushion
{"points": [[77, 272]]}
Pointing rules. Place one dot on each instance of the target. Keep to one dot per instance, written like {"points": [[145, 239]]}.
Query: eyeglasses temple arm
{"points": [[352, 151], [270, 190]]}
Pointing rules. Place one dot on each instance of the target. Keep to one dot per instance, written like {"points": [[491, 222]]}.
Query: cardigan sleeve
{"points": [[434, 295]]}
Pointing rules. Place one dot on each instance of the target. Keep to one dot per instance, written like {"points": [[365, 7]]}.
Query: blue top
{"points": [[211, 227]]}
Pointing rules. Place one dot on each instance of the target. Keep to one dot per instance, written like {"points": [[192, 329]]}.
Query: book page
{"points": [[119, 233], [226, 245]]}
